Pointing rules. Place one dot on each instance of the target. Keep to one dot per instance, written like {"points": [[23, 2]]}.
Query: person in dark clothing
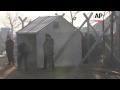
{"points": [[24, 51], [48, 48], [9, 50]]}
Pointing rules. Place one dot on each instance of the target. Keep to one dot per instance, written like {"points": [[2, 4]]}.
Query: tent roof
{"points": [[37, 25]]}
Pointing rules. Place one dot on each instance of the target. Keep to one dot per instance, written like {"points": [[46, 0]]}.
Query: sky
{"points": [[34, 14]]}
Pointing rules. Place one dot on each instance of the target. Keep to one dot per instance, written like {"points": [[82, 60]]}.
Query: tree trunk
{"points": [[12, 32]]}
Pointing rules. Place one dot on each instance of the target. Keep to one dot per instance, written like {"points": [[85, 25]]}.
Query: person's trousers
{"points": [[48, 59], [24, 58], [10, 57]]}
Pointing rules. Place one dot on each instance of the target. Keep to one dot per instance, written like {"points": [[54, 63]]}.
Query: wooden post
{"points": [[112, 35], [22, 20], [90, 25], [88, 39], [85, 21], [118, 35], [103, 43], [119, 32]]}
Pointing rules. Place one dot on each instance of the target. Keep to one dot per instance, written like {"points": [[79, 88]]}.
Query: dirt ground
{"points": [[94, 70]]}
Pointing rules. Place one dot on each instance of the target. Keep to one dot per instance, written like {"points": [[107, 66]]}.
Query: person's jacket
{"points": [[9, 45], [23, 48], [48, 47]]}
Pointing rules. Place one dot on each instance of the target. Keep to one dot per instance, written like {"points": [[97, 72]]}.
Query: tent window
{"points": [[55, 25]]}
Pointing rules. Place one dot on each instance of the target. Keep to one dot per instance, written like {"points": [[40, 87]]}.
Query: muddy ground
{"points": [[94, 70]]}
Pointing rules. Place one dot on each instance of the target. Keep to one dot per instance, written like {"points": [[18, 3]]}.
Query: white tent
{"points": [[68, 51]]}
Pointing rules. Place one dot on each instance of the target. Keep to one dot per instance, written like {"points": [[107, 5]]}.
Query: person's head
{"points": [[8, 37], [48, 36]]}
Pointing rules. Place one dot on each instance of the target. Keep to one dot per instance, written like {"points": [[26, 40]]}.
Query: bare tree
{"points": [[12, 21]]}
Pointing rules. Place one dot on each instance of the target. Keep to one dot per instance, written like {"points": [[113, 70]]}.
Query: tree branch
{"points": [[5, 24], [10, 20], [14, 23], [17, 25], [16, 17]]}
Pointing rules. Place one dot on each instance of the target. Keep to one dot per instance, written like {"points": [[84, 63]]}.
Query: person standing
{"points": [[48, 48], [9, 50], [24, 51]]}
